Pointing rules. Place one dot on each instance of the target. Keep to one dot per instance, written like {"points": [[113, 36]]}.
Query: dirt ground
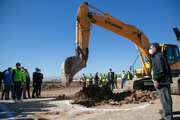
{"points": [[48, 108]]}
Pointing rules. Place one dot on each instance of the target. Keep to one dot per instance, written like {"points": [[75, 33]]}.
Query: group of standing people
{"points": [[109, 80], [125, 77], [98, 80], [17, 81]]}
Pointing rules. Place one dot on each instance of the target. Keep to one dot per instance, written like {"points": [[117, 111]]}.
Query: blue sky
{"points": [[41, 33]]}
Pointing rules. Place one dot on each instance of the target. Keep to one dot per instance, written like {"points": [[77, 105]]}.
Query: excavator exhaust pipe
{"points": [[70, 67]]}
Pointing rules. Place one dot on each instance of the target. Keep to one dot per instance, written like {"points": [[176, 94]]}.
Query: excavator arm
{"points": [[83, 25]]}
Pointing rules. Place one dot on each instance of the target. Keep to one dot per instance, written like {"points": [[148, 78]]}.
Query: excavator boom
{"points": [[83, 25]]}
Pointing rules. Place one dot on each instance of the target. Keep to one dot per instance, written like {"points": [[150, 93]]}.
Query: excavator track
{"points": [[146, 84]]}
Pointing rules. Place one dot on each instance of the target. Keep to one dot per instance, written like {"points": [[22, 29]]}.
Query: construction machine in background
{"points": [[83, 26]]}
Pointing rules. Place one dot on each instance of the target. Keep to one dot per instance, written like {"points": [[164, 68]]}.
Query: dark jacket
{"points": [[41, 77], [96, 77], [28, 79], [130, 76], [110, 76], [0, 79], [2, 76], [36, 78], [161, 68]]}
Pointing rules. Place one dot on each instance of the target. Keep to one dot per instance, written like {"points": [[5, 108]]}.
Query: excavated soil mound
{"points": [[94, 96]]}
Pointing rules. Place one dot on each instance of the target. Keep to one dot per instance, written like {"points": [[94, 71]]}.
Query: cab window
{"points": [[172, 53]]}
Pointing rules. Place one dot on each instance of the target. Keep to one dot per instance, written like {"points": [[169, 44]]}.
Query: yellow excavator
{"points": [[83, 26]]}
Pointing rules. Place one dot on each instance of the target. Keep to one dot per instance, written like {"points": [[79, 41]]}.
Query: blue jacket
{"points": [[7, 78]]}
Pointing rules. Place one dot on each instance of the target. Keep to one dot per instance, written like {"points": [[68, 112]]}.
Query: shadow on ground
{"points": [[24, 109]]}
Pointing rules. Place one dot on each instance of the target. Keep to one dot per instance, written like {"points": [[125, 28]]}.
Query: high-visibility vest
{"points": [[152, 75], [24, 75], [128, 76], [123, 75], [100, 78], [115, 76], [84, 79], [104, 79], [135, 76], [90, 78], [18, 75]]}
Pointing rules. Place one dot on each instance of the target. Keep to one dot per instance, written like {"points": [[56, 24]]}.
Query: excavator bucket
{"points": [[70, 67]]}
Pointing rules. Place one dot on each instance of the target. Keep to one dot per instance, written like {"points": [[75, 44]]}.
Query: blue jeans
{"points": [[96, 82], [123, 83]]}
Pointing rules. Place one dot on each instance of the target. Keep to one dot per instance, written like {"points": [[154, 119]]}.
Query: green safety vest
{"points": [[18, 75], [152, 75], [128, 76], [84, 79], [24, 76], [90, 78], [115, 76], [100, 77], [135, 76], [104, 79], [123, 75]]}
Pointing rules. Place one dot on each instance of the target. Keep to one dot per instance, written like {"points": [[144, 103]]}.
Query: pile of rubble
{"points": [[95, 96]]}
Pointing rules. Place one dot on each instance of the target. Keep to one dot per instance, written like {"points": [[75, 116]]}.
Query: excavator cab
{"points": [[171, 52]]}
